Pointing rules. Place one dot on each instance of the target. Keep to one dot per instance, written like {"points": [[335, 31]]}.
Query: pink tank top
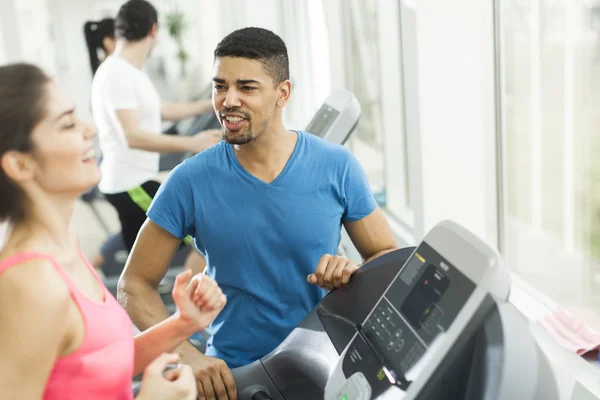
{"points": [[102, 366]]}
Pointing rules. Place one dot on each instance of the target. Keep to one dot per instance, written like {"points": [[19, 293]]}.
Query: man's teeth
{"points": [[234, 119]]}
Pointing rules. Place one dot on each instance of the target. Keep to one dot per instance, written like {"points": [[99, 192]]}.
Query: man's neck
{"points": [[266, 156], [272, 148], [135, 53]]}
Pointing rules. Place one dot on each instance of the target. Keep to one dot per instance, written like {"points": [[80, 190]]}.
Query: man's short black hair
{"points": [[258, 44], [135, 20]]}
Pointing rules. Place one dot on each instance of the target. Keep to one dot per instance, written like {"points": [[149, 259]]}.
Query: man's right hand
{"points": [[205, 139], [213, 377]]}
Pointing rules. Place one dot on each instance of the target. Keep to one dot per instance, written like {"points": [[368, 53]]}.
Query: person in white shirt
{"points": [[127, 111]]}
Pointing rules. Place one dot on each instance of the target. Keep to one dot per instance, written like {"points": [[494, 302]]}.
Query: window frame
{"points": [[406, 217]]}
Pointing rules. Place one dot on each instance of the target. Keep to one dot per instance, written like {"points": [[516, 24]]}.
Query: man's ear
{"points": [[285, 90], [17, 166]]}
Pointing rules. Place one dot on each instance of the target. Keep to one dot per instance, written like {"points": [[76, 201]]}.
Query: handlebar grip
{"points": [[261, 396]]}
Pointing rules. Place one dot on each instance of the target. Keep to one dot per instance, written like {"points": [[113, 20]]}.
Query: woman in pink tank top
{"points": [[62, 334]]}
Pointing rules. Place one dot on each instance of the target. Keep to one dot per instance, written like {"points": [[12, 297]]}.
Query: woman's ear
{"points": [[17, 166]]}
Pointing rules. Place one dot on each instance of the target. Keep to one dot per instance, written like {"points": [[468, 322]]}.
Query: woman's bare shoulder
{"points": [[32, 285]]}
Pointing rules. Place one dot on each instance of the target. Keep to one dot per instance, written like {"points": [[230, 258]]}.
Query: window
{"points": [[361, 54], [2, 56], [370, 32], [551, 100]]}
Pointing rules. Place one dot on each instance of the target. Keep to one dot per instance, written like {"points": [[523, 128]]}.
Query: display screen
{"points": [[421, 303], [421, 308], [322, 120], [429, 293]]}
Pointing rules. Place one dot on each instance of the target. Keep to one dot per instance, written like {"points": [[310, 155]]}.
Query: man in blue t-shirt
{"points": [[265, 207]]}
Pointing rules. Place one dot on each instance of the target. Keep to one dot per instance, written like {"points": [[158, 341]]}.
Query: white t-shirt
{"points": [[118, 85]]}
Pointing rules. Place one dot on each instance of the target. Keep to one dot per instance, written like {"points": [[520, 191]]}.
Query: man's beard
{"points": [[233, 137]]}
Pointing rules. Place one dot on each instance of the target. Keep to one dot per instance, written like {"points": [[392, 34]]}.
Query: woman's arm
{"points": [[34, 305], [198, 300], [163, 337]]}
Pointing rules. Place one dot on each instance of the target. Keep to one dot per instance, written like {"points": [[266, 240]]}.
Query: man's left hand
{"points": [[332, 272]]}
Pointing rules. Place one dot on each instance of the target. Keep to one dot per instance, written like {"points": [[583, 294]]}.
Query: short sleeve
{"points": [[358, 196], [120, 92], [173, 206]]}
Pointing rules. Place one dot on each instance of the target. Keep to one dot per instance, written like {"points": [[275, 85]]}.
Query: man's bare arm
{"points": [[147, 265], [372, 235], [137, 292]]}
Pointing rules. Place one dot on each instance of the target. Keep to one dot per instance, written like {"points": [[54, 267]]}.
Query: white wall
{"points": [[73, 72], [454, 75], [450, 98], [11, 35], [3, 58], [56, 42]]}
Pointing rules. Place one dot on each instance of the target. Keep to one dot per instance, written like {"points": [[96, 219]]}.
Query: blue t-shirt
{"points": [[262, 240]]}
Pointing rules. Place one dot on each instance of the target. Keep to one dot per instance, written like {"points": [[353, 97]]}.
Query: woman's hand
{"points": [[199, 300], [175, 384]]}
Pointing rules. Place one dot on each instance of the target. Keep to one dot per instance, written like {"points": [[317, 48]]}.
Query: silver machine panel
{"points": [[337, 117], [428, 322]]}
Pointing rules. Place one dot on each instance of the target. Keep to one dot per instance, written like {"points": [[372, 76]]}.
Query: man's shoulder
{"points": [[318, 147], [115, 68], [209, 161], [214, 154]]}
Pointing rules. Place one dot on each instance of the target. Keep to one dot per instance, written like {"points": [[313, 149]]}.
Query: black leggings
{"points": [[132, 214]]}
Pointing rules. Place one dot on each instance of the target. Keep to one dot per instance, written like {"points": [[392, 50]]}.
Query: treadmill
{"points": [[426, 322], [337, 117]]}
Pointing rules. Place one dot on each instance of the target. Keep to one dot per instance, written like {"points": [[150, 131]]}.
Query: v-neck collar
{"points": [[288, 165]]}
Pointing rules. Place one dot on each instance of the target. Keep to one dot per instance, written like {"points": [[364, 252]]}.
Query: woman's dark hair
{"points": [[22, 102], [135, 20], [95, 32]]}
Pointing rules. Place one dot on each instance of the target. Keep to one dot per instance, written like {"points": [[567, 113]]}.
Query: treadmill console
{"points": [[337, 117], [434, 295], [427, 323], [422, 302]]}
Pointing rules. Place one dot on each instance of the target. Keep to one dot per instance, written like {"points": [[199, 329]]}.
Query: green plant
{"points": [[176, 26]]}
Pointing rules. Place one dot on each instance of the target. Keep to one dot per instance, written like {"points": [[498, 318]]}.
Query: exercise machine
{"points": [[427, 322], [337, 117]]}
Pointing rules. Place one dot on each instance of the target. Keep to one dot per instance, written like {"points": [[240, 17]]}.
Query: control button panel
{"points": [[392, 337], [385, 326]]}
